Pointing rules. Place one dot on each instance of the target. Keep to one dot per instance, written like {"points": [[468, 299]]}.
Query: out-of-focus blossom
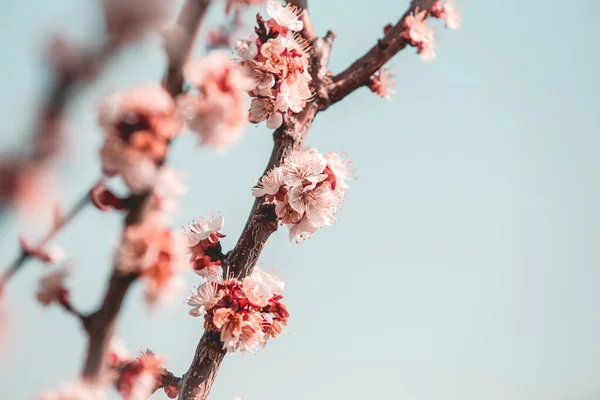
{"points": [[51, 286], [157, 255], [139, 378], [447, 11], [215, 108], [308, 190], [382, 83], [138, 125], [170, 186]]}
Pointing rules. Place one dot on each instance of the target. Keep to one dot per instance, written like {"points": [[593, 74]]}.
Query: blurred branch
{"points": [[188, 24], [59, 224], [101, 324], [358, 74]]}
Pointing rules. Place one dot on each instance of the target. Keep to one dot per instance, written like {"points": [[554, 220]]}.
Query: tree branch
{"points": [[101, 324], [261, 223], [187, 27], [25, 255], [358, 74]]}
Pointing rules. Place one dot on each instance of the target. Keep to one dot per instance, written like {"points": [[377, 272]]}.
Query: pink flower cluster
{"points": [[51, 287], [139, 378], [419, 35], [276, 60], [382, 83], [138, 125], [203, 240], [155, 254], [246, 313], [307, 190], [215, 108], [448, 12]]}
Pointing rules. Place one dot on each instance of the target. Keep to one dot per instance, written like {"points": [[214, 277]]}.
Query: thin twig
{"points": [[25, 255]]}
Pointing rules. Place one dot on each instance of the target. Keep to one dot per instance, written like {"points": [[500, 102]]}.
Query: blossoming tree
{"points": [[282, 71]]}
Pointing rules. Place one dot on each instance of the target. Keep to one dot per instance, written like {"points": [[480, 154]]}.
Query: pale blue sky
{"points": [[465, 265]]}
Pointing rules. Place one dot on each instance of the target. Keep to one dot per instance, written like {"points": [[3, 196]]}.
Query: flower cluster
{"points": [[446, 11], [139, 378], [203, 241], [51, 288], [307, 190], [154, 253], [138, 125], [246, 313], [276, 60], [215, 108], [419, 34], [382, 83]]}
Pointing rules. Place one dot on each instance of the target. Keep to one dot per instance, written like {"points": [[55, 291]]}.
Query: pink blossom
{"points": [[301, 230], [51, 286], [156, 254], [117, 352], [261, 286], [206, 297], [138, 125], [448, 12], [304, 168], [419, 35], [216, 111], [382, 82], [293, 96], [340, 169], [316, 204], [246, 314], [246, 49], [139, 378], [169, 187], [270, 184], [161, 279], [202, 229], [263, 108], [287, 16], [203, 241]]}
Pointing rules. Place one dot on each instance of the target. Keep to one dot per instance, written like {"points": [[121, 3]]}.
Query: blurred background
{"points": [[464, 266]]}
